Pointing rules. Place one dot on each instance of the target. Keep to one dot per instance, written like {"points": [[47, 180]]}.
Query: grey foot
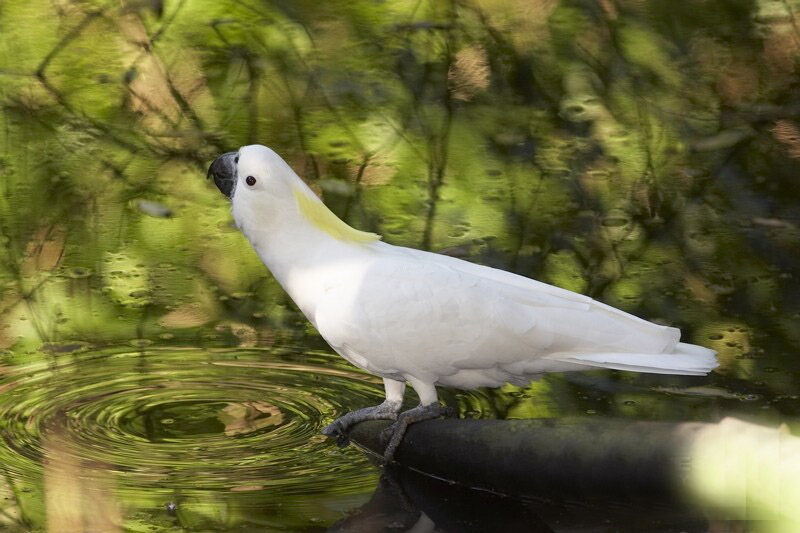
{"points": [[394, 433], [338, 428]]}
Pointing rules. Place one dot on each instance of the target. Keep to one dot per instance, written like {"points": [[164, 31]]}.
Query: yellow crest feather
{"points": [[323, 218]]}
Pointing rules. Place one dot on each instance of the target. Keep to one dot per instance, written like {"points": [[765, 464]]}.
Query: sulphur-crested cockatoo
{"points": [[417, 317]]}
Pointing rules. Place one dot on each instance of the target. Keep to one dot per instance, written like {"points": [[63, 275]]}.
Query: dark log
{"points": [[578, 459]]}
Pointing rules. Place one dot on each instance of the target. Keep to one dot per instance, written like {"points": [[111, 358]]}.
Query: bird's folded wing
{"points": [[411, 315], [532, 291]]}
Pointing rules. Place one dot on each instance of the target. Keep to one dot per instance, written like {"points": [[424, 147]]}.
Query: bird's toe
{"points": [[341, 426], [334, 429]]}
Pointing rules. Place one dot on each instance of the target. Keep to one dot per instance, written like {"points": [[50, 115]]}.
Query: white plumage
{"points": [[415, 316], [403, 313]]}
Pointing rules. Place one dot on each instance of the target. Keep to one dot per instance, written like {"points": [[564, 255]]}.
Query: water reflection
{"points": [[78, 493], [411, 502], [118, 434], [231, 438]]}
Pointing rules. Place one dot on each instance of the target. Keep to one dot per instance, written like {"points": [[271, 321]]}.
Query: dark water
{"points": [[106, 439], [153, 376], [121, 433]]}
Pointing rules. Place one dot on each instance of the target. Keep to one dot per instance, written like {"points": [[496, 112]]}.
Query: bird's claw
{"points": [[340, 428], [334, 429], [393, 434]]}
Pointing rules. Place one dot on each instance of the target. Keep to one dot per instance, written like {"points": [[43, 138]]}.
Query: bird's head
{"points": [[266, 195], [257, 181], [254, 171]]}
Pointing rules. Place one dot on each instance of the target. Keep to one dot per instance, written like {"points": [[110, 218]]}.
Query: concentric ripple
{"points": [[183, 421]]}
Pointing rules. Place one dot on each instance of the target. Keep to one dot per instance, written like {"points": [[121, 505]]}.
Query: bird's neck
{"points": [[306, 247]]}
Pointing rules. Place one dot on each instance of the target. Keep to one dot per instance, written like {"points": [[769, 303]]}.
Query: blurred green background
{"points": [[645, 153], [641, 153]]}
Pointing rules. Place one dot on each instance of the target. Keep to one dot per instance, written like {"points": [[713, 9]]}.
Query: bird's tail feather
{"points": [[685, 359]]}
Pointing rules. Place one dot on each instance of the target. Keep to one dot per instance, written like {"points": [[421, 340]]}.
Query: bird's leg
{"points": [[386, 411], [427, 409]]}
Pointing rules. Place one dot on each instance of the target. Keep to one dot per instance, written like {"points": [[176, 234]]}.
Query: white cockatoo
{"points": [[417, 317]]}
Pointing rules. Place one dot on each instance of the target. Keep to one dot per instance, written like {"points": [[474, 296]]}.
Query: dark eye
{"points": [[236, 160], [250, 180]]}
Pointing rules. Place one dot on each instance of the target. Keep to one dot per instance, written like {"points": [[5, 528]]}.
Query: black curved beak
{"points": [[223, 170]]}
